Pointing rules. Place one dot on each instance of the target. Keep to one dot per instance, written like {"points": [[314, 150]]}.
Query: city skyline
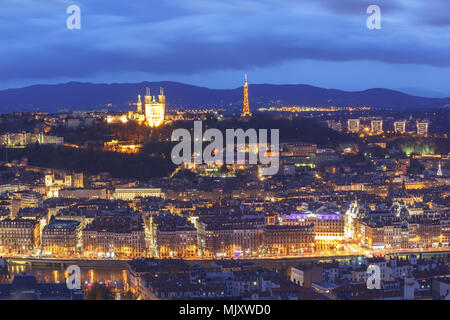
{"points": [[138, 161]]}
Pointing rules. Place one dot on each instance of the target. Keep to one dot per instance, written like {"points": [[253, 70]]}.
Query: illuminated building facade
{"points": [[377, 126], [114, 236], [132, 193], [155, 108], [111, 243], [353, 125], [445, 233], [397, 235], [246, 108], [288, 240], [230, 242], [350, 222], [298, 149], [75, 180], [422, 128], [400, 127], [174, 237], [19, 236], [23, 139], [84, 193], [228, 237], [122, 146], [328, 228], [29, 199], [61, 237], [152, 111], [53, 183]]}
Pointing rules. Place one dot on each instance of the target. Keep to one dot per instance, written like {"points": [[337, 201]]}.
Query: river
{"points": [[113, 276]]}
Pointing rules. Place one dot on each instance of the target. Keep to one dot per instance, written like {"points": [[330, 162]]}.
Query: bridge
{"points": [[64, 263]]}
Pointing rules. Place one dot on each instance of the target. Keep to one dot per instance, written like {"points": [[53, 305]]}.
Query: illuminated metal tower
{"points": [[246, 109], [439, 172]]}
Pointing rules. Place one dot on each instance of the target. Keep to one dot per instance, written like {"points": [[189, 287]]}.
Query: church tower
{"points": [[139, 105], [147, 96], [162, 97], [246, 108]]}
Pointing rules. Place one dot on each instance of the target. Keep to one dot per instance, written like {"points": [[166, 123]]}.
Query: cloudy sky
{"points": [[213, 42]]}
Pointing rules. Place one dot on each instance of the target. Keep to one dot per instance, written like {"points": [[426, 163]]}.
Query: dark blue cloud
{"points": [[186, 37]]}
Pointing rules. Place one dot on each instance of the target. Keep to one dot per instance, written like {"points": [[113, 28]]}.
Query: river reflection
{"points": [[114, 276]]}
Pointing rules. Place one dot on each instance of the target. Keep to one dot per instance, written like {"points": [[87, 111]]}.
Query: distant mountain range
{"points": [[422, 92], [88, 96]]}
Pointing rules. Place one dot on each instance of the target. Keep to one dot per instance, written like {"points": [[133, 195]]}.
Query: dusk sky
{"points": [[214, 42]]}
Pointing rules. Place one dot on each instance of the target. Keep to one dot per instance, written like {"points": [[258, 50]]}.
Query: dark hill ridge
{"points": [[76, 95]]}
